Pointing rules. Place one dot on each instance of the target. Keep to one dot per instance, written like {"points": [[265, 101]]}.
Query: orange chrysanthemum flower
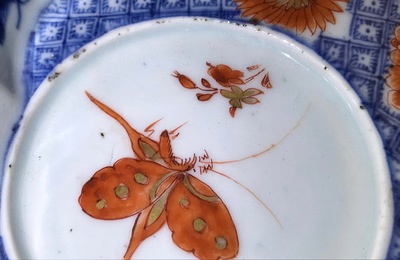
{"points": [[297, 15]]}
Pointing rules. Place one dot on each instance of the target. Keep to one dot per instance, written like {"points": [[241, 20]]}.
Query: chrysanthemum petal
{"points": [[393, 81], [319, 18], [395, 43], [280, 3], [329, 5], [326, 13], [244, 4], [255, 10], [279, 17], [395, 57], [293, 19], [285, 19], [263, 15], [397, 33], [396, 99], [312, 25], [275, 15], [301, 20]]}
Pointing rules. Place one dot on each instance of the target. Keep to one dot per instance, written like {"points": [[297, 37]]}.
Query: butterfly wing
{"points": [[152, 218], [122, 190], [200, 222]]}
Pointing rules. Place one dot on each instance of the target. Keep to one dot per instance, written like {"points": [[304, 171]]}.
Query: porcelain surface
{"points": [[359, 38], [310, 153]]}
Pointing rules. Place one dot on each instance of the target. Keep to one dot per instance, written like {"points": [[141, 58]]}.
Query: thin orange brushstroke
{"points": [[254, 156], [149, 128], [272, 145], [252, 193], [255, 75], [172, 132]]}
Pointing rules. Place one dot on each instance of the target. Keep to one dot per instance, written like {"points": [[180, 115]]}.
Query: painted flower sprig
{"points": [[231, 84]]}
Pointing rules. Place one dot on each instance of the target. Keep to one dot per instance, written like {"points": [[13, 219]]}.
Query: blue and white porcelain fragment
{"points": [[321, 174]]}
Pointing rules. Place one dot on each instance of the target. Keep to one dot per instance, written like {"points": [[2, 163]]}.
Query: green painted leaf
{"points": [[235, 102], [227, 94], [252, 92], [238, 91], [250, 100]]}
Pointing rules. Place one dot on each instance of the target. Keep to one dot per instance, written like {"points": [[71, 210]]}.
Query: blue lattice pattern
{"points": [[364, 61], [66, 25]]}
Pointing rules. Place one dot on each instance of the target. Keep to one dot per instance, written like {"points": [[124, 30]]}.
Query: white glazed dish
{"points": [[326, 180]]}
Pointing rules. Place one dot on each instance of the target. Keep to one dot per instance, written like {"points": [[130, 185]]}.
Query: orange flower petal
{"points": [[397, 33], [279, 17], [280, 4], [236, 81], [275, 15], [255, 10], [263, 15], [394, 42], [326, 13], [393, 81], [396, 99], [395, 57], [223, 69], [286, 17], [301, 21], [312, 25], [319, 18], [204, 97], [293, 19], [244, 4], [329, 5], [236, 74]]}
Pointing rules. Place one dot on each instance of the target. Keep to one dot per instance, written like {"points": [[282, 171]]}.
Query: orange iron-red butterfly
{"points": [[156, 187]]}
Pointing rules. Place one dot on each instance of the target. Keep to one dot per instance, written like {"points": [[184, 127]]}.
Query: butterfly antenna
{"points": [[252, 193], [272, 145]]}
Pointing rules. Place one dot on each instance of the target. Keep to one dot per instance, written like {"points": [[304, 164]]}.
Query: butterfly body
{"points": [[159, 189]]}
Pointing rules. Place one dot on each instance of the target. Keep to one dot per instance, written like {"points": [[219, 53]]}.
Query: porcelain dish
{"points": [[200, 136]]}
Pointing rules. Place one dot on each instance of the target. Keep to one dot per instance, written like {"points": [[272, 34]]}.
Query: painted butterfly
{"points": [[157, 187]]}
